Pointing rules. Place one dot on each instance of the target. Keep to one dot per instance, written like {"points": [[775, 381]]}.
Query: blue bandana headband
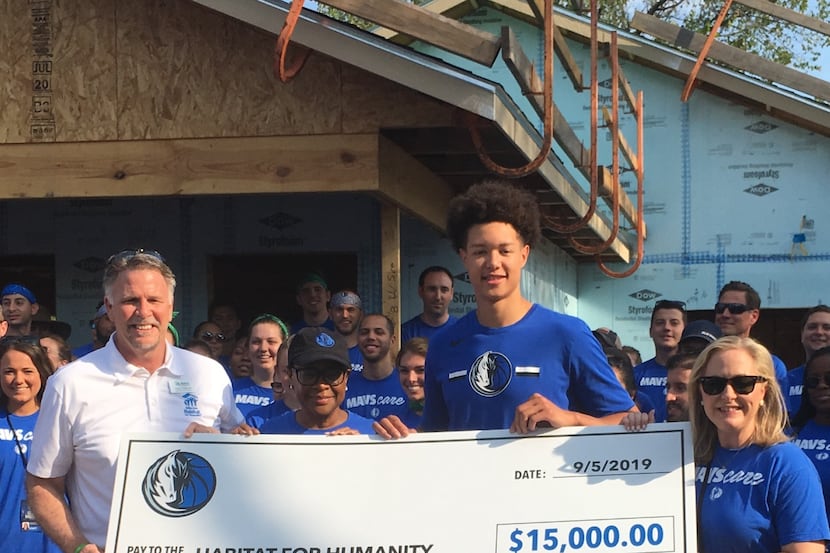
{"points": [[18, 289], [346, 298]]}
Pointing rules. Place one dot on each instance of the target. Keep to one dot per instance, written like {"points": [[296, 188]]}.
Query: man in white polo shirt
{"points": [[136, 383]]}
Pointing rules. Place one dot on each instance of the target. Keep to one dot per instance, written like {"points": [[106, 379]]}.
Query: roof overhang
{"points": [[428, 76]]}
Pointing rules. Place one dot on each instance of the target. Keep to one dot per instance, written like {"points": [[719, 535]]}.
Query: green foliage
{"points": [[353, 20], [744, 27]]}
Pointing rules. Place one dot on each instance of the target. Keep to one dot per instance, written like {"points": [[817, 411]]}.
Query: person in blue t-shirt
{"points": [[346, 312], [510, 363], [668, 319], [376, 392], [815, 334], [410, 364], [24, 369], [811, 424], [313, 297], [319, 363], [266, 333], [736, 312], [435, 288], [757, 492]]}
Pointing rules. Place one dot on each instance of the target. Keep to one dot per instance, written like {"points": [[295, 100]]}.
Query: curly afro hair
{"points": [[493, 201]]}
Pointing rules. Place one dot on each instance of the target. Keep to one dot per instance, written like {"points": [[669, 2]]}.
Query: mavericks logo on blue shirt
{"points": [[490, 374]]}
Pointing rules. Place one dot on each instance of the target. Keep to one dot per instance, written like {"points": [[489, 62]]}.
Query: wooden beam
{"points": [[735, 57], [390, 246], [443, 32], [812, 23], [407, 183], [522, 69], [627, 152], [560, 45], [321, 163]]}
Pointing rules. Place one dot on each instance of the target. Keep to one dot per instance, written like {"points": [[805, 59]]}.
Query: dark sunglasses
{"points": [[734, 308], [278, 387], [813, 381], [328, 375], [670, 304], [714, 385], [126, 255], [211, 337]]}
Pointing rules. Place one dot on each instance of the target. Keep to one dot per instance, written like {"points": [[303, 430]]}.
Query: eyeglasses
{"points": [[126, 255], [734, 308], [277, 387], [814, 381], [211, 337], [714, 385], [670, 304], [329, 375]]}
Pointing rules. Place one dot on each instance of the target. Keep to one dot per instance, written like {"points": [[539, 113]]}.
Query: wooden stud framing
{"points": [[522, 69], [390, 245]]}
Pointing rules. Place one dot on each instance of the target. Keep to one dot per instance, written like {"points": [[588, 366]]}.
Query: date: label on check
{"points": [[643, 535]]}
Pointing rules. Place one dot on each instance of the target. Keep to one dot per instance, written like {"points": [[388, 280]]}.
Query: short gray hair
{"points": [[130, 260]]}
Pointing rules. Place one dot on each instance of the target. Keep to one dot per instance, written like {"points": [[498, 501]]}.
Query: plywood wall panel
{"points": [[185, 71], [15, 70], [84, 93], [371, 102]]}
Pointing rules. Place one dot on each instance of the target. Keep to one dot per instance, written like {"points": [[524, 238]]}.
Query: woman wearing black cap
{"points": [[319, 365]]}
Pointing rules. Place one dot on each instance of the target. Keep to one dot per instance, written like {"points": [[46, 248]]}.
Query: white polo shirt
{"points": [[89, 403]]}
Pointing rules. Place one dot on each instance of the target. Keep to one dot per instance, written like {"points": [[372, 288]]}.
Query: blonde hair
{"points": [[771, 418]]}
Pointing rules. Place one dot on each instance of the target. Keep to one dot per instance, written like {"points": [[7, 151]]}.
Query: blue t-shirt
{"points": [[795, 384], [783, 380], [258, 416], [301, 324], [287, 424], [19, 533], [759, 499], [80, 351], [814, 441], [651, 377], [476, 376], [416, 328], [249, 395], [375, 399], [356, 359]]}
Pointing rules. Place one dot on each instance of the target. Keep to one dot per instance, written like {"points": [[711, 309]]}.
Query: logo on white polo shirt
{"points": [[178, 484], [191, 405]]}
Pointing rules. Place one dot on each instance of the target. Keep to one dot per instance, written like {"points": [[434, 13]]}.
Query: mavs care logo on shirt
{"points": [[490, 374], [178, 484]]}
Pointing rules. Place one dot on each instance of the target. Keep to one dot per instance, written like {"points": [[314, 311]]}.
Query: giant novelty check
{"points": [[567, 490]]}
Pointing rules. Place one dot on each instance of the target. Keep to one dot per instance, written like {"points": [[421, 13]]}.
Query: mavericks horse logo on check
{"points": [[179, 484]]}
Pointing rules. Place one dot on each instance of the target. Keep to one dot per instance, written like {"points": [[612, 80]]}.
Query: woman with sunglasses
{"points": [[319, 364], [811, 424], [756, 491], [24, 368], [211, 334], [266, 332]]}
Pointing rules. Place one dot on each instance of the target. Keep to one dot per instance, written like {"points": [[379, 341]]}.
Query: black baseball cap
{"points": [[314, 344]]}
